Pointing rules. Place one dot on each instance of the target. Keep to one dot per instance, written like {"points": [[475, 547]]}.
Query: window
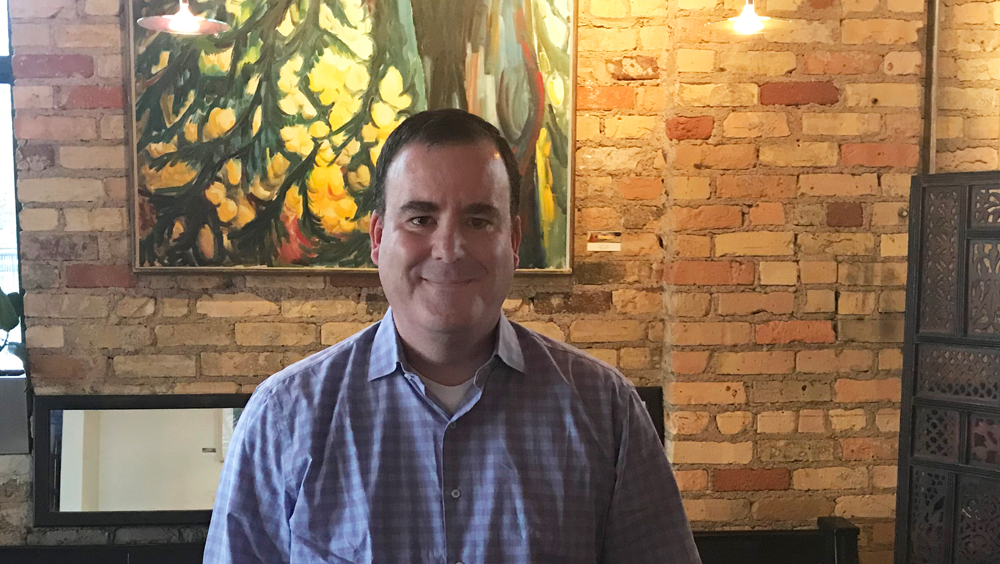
{"points": [[13, 384]]}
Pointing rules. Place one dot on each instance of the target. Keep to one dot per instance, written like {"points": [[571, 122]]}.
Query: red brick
{"points": [[99, 276], [798, 93], [605, 97], [750, 480], [53, 66], [776, 187], [880, 154], [690, 127], [795, 331], [721, 273], [85, 97], [869, 448], [847, 62], [65, 368], [821, 4], [682, 362], [705, 217], [638, 188], [845, 214]]}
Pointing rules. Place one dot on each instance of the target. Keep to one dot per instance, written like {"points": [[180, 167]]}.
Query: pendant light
{"points": [[749, 23], [183, 23]]}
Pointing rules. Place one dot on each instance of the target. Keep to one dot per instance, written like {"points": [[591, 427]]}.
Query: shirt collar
{"points": [[387, 352]]}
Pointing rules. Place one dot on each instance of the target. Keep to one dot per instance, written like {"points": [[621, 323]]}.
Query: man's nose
{"points": [[449, 241]]}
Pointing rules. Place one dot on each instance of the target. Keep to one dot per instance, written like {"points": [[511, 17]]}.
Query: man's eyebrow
{"points": [[488, 210], [418, 206]]}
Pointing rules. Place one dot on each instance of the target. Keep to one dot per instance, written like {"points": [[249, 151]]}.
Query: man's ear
{"points": [[515, 239], [375, 232]]}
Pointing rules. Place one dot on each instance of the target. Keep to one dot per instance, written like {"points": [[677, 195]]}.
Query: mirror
{"points": [[104, 460]]}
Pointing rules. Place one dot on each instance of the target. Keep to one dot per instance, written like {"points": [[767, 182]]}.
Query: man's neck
{"points": [[448, 359]]}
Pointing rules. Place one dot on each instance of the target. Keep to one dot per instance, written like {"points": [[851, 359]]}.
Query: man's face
{"points": [[446, 247]]}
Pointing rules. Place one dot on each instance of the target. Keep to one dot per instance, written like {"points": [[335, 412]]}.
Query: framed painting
{"points": [[254, 148]]}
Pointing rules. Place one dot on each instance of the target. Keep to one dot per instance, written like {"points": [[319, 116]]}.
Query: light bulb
{"points": [[748, 22], [183, 21]]}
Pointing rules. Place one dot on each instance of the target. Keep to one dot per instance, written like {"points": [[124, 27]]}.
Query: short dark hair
{"points": [[444, 127]]}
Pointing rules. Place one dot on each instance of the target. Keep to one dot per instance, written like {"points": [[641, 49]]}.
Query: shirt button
{"points": [[456, 493], [452, 425]]}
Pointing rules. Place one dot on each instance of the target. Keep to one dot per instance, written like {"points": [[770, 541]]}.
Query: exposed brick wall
{"points": [[968, 125], [786, 164], [758, 182]]}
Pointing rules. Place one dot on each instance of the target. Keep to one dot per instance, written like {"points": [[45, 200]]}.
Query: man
{"points": [[446, 433]]}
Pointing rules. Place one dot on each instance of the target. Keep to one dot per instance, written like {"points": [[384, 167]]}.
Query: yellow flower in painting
{"points": [[277, 167], [257, 115], [343, 111], [326, 182], [262, 193], [245, 212], [369, 133], [220, 120], [295, 100], [325, 156], [171, 175], [297, 139], [206, 242], [390, 88], [357, 78], [216, 193], [167, 107], [360, 178], [252, 84], [382, 114], [356, 38], [222, 59], [227, 210], [556, 90], [319, 129], [233, 172], [375, 151], [177, 230], [288, 23], [164, 60], [336, 215], [293, 201], [546, 199], [288, 75], [157, 150], [326, 17], [355, 13], [191, 131]]}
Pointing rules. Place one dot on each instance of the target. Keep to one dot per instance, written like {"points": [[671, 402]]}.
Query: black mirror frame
{"points": [[43, 407], [653, 396]]}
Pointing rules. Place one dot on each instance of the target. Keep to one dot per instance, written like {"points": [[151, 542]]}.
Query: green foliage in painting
{"points": [[256, 147]]}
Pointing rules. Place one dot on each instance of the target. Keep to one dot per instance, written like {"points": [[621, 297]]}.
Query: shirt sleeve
{"points": [[253, 503], [646, 522]]}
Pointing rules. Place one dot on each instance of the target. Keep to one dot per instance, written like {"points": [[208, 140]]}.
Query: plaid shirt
{"points": [[551, 457]]}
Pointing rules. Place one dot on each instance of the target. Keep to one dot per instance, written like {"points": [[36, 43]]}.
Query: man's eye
{"points": [[421, 221], [479, 223]]}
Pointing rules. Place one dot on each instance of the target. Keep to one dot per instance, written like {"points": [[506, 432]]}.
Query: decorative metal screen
{"points": [[949, 456]]}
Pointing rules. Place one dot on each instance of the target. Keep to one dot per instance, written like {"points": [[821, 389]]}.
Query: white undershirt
{"points": [[450, 396]]}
